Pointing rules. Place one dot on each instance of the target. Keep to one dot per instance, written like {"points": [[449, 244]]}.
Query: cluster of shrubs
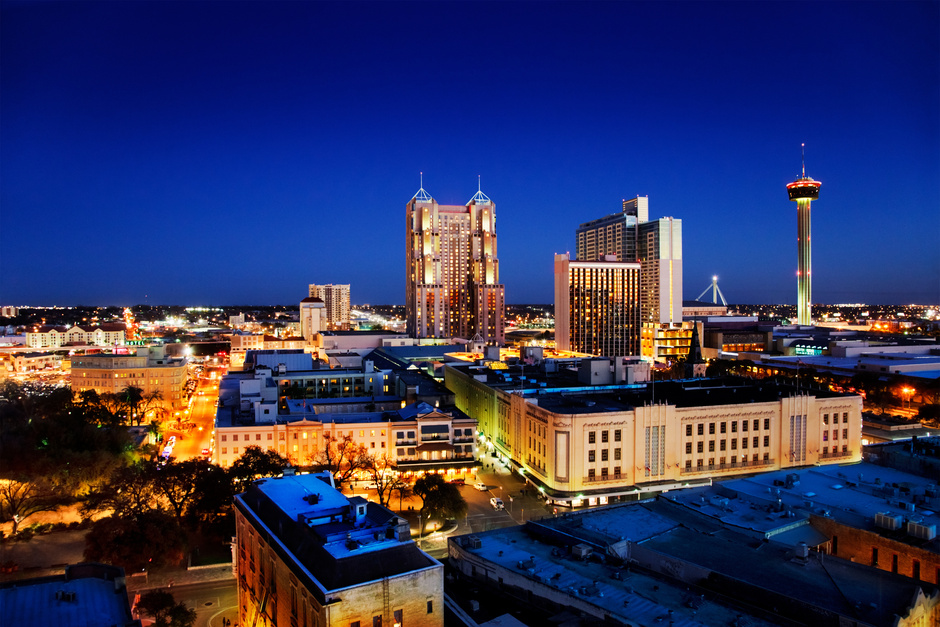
{"points": [[26, 534]]}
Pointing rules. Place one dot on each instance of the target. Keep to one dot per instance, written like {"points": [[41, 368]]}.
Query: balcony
{"points": [[835, 454], [597, 478], [744, 465]]}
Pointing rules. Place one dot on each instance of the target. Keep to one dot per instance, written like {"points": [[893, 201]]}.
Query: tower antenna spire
{"points": [[479, 189], [421, 174], [803, 158]]}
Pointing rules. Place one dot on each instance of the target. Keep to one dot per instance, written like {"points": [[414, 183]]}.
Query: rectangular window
{"points": [[430, 607], [825, 436], [734, 445], [235, 450], [603, 436], [701, 428], [269, 436], [699, 463], [688, 430], [258, 436], [825, 419], [756, 424], [616, 435], [711, 428], [398, 616], [235, 437], [377, 621], [591, 455], [724, 427], [711, 446], [722, 445], [845, 417], [591, 437], [224, 450], [756, 441], [767, 423], [766, 440], [845, 434], [688, 464], [744, 425], [688, 448], [603, 472], [355, 623], [604, 455], [590, 473], [734, 427], [224, 437], [700, 447]]}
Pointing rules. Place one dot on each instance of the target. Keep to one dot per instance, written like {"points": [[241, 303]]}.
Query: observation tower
{"points": [[804, 191]]}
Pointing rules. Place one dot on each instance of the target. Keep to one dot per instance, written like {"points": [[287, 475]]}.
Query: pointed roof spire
{"points": [[479, 198], [422, 196], [803, 158]]}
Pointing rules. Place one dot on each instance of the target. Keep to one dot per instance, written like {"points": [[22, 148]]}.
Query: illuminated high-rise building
{"points": [[803, 191], [597, 306], [660, 251], [615, 234], [657, 245], [452, 283], [336, 301]]}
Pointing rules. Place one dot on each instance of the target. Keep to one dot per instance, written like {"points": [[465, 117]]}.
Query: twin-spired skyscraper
{"points": [[452, 286]]}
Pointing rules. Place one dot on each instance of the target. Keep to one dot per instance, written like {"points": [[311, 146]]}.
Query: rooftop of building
{"points": [[87, 328], [851, 494], [86, 595], [627, 595], [771, 568], [562, 391], [327, 538]]}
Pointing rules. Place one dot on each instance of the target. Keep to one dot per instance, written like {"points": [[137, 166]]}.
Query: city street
{"points": [[213, 601], [190, 443]]}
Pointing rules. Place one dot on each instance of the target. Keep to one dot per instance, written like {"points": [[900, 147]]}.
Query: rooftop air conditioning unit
{"points": [[887, 520], [924, 532]]}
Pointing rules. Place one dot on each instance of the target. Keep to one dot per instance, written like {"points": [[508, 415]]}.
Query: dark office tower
{"points": [[615, 234], [804, 191]]}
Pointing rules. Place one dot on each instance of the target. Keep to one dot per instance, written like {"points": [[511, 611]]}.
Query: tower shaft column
{"points": [[804, 288]]}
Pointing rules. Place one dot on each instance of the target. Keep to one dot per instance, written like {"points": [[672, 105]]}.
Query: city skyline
{"points": [[226, 153]]}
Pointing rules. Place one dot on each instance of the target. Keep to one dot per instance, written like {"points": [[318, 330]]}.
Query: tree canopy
{"points": [[439, 499]]}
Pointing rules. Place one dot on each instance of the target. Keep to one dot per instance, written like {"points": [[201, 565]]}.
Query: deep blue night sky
{"points": [[230, 152]]}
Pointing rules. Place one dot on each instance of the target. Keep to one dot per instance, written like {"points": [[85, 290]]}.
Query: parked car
{"points": [[497, 503], [482, 487], [457, 481]]}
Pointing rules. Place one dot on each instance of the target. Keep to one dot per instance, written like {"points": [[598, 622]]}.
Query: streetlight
{"points": [[909, 393]]}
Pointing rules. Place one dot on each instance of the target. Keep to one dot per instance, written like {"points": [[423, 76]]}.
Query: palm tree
{"points": [[132, 397]]}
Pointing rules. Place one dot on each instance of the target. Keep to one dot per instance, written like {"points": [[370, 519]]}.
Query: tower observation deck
{"points": [[803, 191]]}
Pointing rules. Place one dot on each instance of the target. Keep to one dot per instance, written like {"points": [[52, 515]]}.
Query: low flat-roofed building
{"points": [[30, 362], [87, 595], [585, 439], [704, 560], [877, 429], [308, 555], [869, 514]]}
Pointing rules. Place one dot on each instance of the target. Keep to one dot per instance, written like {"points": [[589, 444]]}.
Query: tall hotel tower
{"points": [[804, 191], [657, 245], [453, 287]]}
